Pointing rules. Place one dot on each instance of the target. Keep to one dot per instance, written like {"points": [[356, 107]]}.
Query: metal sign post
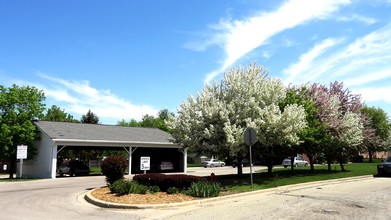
{"points": [[21, 153], [250, 138]]}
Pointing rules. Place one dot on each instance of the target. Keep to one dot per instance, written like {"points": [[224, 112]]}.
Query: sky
{"points": [[125, 59]]}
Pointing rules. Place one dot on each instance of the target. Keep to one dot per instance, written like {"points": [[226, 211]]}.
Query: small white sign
{"points": [[4, 167], [145, 163], [21, 152]]}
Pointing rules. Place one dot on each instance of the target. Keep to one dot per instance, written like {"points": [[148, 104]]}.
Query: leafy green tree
{"points": [[150, 121], [311, 136], [377, 130], [215, 120], [55, 113], [131, 123], [89, 118], [18, 107]]}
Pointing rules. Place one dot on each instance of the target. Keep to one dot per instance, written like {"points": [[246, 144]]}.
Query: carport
{"points": [[138, 142]]}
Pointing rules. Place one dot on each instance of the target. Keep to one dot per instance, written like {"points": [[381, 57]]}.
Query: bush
{"points": [[204, 189], [114, 168], [172, 190], [154, 189], [180, 181], [123, 187]]}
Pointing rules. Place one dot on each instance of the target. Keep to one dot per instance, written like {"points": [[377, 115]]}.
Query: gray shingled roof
{"points": [[65, 130]]}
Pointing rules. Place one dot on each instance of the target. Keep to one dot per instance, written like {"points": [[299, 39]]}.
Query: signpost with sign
{"points": [[21, 153], [145, 164], [250, 138]]}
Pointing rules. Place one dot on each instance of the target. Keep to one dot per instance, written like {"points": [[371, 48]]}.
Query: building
{"points": [[138, 142]]}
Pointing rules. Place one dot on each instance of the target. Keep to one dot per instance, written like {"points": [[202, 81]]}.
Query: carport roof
{"points": [[65, 133]]}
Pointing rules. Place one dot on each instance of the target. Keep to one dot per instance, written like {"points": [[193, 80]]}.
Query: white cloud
{"points": [[356, 17], [368, 78], [306, 60], [367, 58], [238, 37], [78, 97], [370, 94]]}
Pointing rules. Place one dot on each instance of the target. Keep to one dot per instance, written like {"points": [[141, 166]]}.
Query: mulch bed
{"points": [[104, 194]]}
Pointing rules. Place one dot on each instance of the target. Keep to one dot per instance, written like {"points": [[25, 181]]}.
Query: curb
{"points": [[282, 189]]}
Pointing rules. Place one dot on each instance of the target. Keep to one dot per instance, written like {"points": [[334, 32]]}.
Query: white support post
{"points": [[54, 162], [185, 160], [130, 161]]}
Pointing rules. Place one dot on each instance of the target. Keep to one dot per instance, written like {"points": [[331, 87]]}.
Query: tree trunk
{"points": [[292, 161], [341, 164], [370, 154], [269, 169], [239, 165], [12, 166], [311, 158], [329, 164]]}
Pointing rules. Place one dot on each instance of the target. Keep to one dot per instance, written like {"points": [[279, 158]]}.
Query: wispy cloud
{"points": [[238, 37], [306, 61], [77, 97], [370, 94], [359, 18], [359, 64]]}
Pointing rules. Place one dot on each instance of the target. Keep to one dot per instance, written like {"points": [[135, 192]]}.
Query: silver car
{"points": [[213, 163], [298, 162]]}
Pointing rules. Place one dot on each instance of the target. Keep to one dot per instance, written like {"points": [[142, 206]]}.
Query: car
{"points": [[166, 165], [384, 168], [245, 163], [73, 168], [213, 163], [297, 162]]}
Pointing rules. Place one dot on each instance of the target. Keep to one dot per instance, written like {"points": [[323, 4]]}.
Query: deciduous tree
{"points": [[55, 113], [339, 109], [377, 130], [216, 119], [19, 106]]}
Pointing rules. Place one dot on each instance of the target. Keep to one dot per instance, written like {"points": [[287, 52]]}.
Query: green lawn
{"points": [[95, 170], [282, 177]]}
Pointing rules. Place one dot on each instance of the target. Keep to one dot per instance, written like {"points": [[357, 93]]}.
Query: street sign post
{"points": [[21, 153], [145, 164], [250, 138]]}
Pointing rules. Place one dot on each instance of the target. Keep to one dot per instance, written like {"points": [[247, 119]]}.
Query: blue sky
{"points": [[125, 59]]}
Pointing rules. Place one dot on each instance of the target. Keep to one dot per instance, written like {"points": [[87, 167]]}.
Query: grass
{"points": [[194, 165], [95, 170], [282, 177]]}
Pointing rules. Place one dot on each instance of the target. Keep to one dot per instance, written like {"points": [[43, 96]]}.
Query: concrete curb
{"points": [[283, 189]]}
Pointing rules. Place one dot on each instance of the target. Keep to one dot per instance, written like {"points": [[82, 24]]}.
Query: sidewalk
{"points": [[5, 176]]}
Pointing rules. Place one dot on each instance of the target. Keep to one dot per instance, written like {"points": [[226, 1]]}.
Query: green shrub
{"points": [[172, 190], [204, 189], [114, 168], [154, 189], [123, 187]]}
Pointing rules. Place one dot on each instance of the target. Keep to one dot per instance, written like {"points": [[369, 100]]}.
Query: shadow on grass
{"points": [[282, 177]]}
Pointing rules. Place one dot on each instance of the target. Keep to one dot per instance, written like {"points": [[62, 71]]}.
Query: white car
{"points": [[298, 162], [213, 163]]}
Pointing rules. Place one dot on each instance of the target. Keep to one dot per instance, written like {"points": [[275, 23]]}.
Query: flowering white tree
{"points": [[339, 109], [216, 119]]}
